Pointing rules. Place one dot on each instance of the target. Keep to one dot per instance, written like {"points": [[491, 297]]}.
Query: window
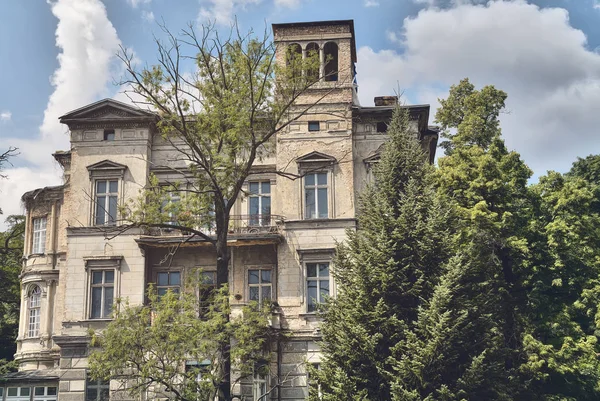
{"points": [[171, 206], [317, 284], [39, 235], [260, 203], [18, 393], [259, 285], [107, 195], [313, 70], [382, 127], [259, 387], [166, 281], [315, 196], [44, 394], [200, 369], [314, 126], [34, 303], [102, 293], [315, 366], [97, 390], [331, 61], [208, 284], [109, 134]]}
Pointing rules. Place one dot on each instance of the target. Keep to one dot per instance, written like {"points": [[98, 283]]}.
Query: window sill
{"points": [[310, 316]]}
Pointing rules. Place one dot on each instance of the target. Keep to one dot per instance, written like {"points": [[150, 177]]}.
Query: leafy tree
{"points": [[383, 272], [11, 250], [5, 159], [221, 119], [146, 348]]}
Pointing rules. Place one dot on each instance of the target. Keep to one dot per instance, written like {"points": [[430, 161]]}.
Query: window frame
{"points": [[107, 202], [109, 135], [206, 290], [316, 187], [260, 283], [39, 247], [168, 286], [33, 326], [262, 220], [259, 386], [98, 385], [318, 280], [19, 396], [45, 396], [103, 286], [312, 125]]}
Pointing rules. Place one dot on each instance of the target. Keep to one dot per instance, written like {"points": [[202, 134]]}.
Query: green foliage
{"points": [[383, 272], [146, 348], [11, 251]]}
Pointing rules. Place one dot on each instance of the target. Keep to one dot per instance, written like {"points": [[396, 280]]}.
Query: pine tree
{"points": [[383, 272]]}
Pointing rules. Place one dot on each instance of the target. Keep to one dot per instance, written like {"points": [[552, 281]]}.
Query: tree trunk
{"points": [[223, 257]]}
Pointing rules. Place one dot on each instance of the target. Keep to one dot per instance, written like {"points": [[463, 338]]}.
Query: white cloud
{"points": [[5, 116], [221, 11], [88, 42], [371, 3], [552, 79], [287, 3], [148, 16], [136, 3], [394, 37]]}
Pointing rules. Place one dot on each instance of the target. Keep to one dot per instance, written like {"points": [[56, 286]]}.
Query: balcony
{"points": [[244, 230]]}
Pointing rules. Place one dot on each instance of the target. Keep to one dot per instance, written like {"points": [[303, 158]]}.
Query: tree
{"points": [[4, 159], [221, 119], [383, 272], [148, 349], [11, 251]]}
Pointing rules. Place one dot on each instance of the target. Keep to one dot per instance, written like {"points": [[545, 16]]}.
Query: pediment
{"points": [[106, 169], [315, 157], [107, 109], [375, 156]]}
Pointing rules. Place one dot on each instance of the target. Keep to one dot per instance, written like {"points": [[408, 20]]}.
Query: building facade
{"points": [[282, 238]]}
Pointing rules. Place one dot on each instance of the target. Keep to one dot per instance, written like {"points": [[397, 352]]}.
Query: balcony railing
{"points": [[238, 224]]}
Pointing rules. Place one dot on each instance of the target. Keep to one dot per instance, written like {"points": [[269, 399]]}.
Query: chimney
{"points": [[386, 100]]}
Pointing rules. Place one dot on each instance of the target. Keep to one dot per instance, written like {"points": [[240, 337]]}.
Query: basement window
{"points": [[109, 134], [313, 126]]}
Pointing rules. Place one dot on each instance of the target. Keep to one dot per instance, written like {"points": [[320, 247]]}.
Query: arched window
{"points": [[293, 59], [33, 307], [312, 53], [331, 61]]}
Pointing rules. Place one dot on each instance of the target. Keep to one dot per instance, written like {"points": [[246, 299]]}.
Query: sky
{"points": [[59, 55]]}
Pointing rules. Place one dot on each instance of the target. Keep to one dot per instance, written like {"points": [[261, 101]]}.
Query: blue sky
{"points": [[58, 55]]}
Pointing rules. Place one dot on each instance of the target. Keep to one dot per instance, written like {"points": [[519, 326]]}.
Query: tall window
{"points": [[34, 302], [317, 284], [208, 284], [44, 394], [39, 235], [166, 281], [107, 195], [259, 285], [172, 205], [97, 390], [260, 203], [312, 383], [102, 288], [315, 196], [259, 387]]}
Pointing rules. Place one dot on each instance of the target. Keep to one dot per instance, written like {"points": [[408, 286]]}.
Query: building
{"points": [[283, 234]]}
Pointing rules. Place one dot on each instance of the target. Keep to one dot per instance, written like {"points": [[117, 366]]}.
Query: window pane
{"points": [[253, 293], [254, 187], [253, 277], [324, 287], [113, 187], [175, 278], [100, 209], [322, 178], [25, 391], [254, 206], [104, 396], [108, 301], [312, 296], [311, 269], [310, 204], [39, 391], [322, 202], [309, 180], [323, 269], [96, 302], [163, 278], [97, 278], [12, 392], [265, 276], [51, 390], [208, 278], [112, 209], [266, 206], [266, 187], [162, 291], [100, 187], [266, 292], [91, 394], [109, 276]]}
